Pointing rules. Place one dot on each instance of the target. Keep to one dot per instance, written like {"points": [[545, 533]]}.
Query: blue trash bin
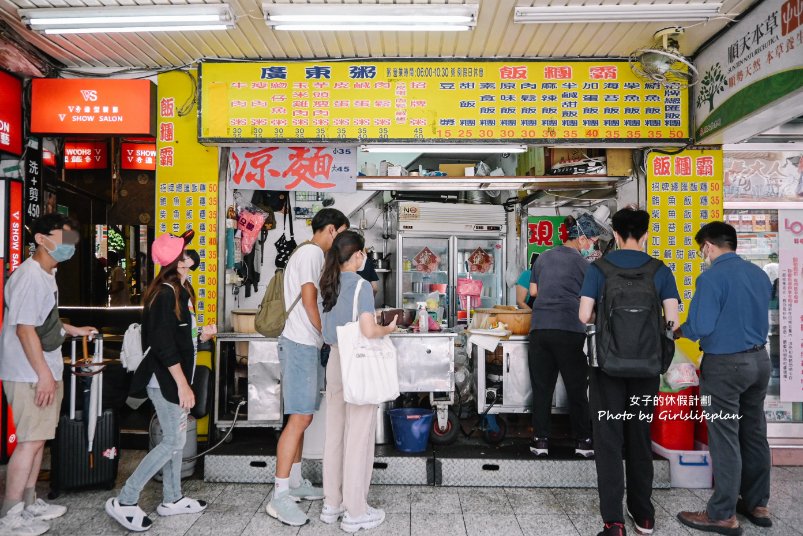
{"points": [[411, 428]]}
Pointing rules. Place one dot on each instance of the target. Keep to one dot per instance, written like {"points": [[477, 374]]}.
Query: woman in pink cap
{"points": [[169, 339]]}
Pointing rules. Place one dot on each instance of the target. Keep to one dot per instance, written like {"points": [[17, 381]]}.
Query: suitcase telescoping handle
{"points": [[96, 363]]}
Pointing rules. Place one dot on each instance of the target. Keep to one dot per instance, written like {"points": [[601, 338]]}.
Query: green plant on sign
{"points": [[713, 83]]}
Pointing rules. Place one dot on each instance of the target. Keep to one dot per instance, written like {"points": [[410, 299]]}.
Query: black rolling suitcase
{"points": [[73, 464]]}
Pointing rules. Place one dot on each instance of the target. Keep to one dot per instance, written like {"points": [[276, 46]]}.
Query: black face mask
{"points": [[196, 259]]}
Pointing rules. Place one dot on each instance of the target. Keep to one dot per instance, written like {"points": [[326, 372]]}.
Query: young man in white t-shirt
{"points": [[31, 374], [302, 372]]}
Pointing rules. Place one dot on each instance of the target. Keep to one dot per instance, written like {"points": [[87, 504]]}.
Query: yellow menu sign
{"points": [[187, 184], [684, 192], [420, 101]]}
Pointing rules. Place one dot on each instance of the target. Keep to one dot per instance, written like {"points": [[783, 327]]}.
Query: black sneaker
{"points": [[613, 529], [585, 448], [540, 446]]}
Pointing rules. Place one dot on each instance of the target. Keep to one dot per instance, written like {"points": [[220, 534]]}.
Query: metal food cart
{"points": [[425, 364], [507, 388]]}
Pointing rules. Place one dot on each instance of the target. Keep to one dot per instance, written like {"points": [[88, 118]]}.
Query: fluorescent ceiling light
{"points": [[371, 18], [617, 13], [155, 18], [444, 148]]}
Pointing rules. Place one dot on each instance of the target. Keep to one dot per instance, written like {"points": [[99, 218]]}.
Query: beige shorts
{"points": [[33, 423]]}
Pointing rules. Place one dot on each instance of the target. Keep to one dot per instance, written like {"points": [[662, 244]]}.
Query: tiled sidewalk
{"points": [[239, 509]]}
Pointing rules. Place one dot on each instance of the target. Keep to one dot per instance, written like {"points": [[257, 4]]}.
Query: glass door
{"points": [[424, 274], [757, 232], [483, 259]]}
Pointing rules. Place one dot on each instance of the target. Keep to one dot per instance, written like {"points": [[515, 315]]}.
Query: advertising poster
{"points": [[86, 155], [755, 63], [187, 188], [419, 101], [790, 226], [303, 169], [543, 233], [684, 192], [763, 175]]}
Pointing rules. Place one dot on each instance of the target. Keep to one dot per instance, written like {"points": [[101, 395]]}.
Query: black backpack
{"points": [[630, 329]]}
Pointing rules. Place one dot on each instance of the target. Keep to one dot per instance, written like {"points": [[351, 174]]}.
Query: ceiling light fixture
{"points": [[156, 18], [371, 18], [617, 13], [444, 148]]}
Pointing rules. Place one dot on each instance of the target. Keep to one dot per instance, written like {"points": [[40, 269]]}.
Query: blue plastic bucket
{"points": [[411, 428]]}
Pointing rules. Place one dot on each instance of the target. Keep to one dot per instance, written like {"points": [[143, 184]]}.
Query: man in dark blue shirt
{"points": [[611, 397], [729, 316]]}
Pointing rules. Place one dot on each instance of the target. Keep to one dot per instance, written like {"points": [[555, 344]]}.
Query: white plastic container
{"points": [[688, 468]]}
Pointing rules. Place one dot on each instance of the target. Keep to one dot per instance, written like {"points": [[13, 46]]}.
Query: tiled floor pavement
{"points": [[239, 509]]}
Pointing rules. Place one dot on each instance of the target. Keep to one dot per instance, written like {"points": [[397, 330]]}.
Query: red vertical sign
{"points": [[15, 226]]}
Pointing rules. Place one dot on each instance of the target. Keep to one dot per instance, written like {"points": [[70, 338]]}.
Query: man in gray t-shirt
{"points": [[30, 369]]}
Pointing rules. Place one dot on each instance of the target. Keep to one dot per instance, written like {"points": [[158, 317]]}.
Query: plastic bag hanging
{"points": [[250, 224]]}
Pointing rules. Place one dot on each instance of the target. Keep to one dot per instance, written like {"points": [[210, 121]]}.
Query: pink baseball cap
{"points": [[167, 248]]}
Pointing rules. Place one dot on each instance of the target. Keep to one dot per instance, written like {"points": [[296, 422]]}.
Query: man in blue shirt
{"points": [[612, 396], [729, 316]]}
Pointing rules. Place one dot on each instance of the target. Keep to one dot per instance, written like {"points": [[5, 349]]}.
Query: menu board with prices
{"points": [[684, 192], [327, 169], [790, 304], [187, 189], [189, 205], [424, 101]]}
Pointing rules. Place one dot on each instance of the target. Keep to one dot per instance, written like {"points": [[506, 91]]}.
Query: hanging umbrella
{"points": [[93, 411]]}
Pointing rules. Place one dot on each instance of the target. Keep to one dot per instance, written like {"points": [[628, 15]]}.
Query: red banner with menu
{"points": [[93, 106], [10, 114]]}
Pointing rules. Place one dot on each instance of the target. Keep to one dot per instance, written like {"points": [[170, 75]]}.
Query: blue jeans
{"points": [[166, 455], [302, 377]]}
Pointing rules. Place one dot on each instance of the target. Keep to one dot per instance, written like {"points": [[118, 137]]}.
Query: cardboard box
{"points": [[455, 170], [620, 162], [558, 155]]}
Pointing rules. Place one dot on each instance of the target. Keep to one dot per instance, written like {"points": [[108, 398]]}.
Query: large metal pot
{"points": [[381, 261]]}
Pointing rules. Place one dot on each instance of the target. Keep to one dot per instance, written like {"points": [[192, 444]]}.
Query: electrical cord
{"points": [[216, 445]]}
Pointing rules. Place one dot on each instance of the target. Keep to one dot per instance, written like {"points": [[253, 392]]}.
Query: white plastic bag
{"points": [[681, 373], [368, 366]]}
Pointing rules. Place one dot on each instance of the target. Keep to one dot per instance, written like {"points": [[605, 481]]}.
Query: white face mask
{"points": [[706, 256], [364, 262]]}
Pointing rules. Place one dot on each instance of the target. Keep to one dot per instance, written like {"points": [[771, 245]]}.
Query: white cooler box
{"points": [[688, 468]]}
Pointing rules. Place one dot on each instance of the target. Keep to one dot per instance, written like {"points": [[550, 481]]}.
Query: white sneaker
{"points": [[19, 522], [45, 511], [372, 518], [330, 514], [184, 505]]}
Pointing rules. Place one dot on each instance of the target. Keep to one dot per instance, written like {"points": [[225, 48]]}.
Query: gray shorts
{"points": [[302, 377]]}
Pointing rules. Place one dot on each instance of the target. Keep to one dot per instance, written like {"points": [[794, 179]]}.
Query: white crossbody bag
{"points": [[368, 366]]}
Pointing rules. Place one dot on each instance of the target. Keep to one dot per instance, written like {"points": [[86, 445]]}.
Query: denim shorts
{"points": [[302, 377]]}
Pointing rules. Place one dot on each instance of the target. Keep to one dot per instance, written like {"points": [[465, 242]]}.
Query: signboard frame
{"points": [[236, 141]]}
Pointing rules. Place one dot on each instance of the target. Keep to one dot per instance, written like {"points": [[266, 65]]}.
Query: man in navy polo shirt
{"points": [[729, 317]]}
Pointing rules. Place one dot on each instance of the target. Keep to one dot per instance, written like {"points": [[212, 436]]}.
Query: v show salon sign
{"points": [[93, 106]]}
